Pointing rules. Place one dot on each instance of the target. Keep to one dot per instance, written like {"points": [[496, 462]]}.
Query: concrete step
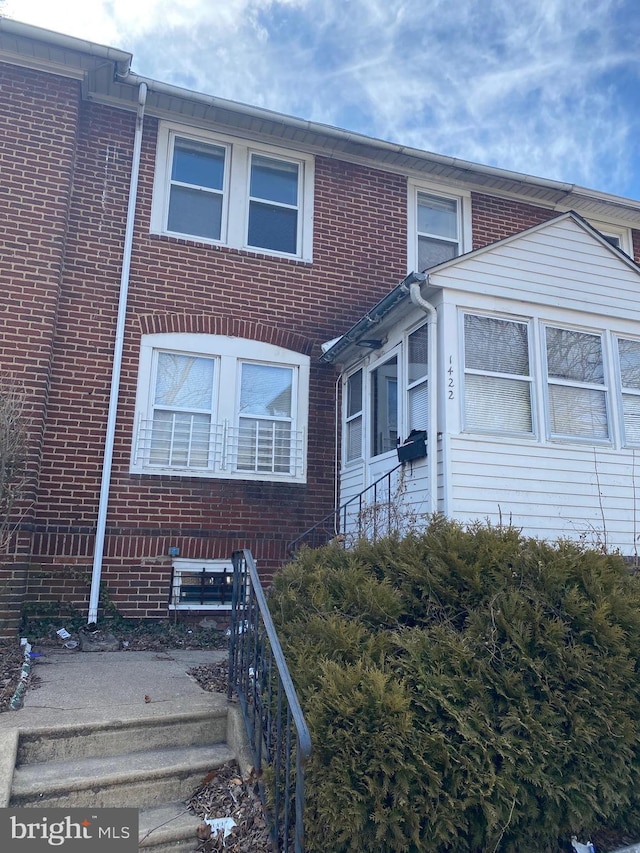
{"points": [[167, 829], [135, 779], [114, 738]]}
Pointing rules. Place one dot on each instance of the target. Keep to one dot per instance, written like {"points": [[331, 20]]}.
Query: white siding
{"points": [[561, 266], [550, 491]]}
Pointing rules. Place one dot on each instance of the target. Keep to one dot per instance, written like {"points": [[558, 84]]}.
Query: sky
{"points": [[546, 87]]}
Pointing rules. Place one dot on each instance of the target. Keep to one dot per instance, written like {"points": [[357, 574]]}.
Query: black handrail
{"points": [[259, 676], [334, 524]]}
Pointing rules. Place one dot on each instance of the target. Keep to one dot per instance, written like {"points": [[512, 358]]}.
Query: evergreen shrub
{"points": [[467, 689]]}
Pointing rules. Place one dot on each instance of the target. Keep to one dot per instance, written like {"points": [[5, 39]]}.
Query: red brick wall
{"points": [[495, 218], [38, 114], [359, 255]]}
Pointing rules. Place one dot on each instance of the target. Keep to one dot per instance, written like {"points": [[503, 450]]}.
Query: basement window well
{"points": [[201, 585]]}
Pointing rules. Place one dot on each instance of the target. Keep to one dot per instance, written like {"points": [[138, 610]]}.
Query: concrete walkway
{"points": [[75, 687], [84, 688]]}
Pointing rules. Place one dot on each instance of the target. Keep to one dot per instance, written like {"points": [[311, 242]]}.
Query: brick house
{"points": [[171, 265]]}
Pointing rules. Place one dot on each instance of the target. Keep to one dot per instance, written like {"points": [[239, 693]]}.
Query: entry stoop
{"points": [[153, 763]]}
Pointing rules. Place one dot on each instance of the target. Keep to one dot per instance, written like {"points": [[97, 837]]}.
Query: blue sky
{"points": [[546, 87]]}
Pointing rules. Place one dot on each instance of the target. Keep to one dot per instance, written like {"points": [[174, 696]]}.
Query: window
{"points": [[232, 192], [201, 585], [497, 377], [384, 407], [353, 410], [439, 226], [182, 409], [617, 235], [629, 358], [577, 393], [273, 204], [216, 406], [266, 418], [196, 189], [417, 389]]}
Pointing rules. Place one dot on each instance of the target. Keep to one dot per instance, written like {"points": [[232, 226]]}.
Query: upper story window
{"points": [[439, 226], [214, 406], [617, 235], [497, 380], [232, 192], [576, 389]]}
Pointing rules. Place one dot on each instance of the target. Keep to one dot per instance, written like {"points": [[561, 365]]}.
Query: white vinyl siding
{"points": [[497, 378]]}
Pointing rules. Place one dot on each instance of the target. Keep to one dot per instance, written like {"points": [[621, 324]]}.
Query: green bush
{"points": [[466, 690]]}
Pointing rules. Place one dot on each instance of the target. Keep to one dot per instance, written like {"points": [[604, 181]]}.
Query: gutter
{"points": [[107, 465]]}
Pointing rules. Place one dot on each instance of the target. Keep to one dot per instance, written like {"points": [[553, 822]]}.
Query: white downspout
{"points": [[432, 368], [103, 505]]}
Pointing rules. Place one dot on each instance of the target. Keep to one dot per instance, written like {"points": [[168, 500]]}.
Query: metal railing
{"points": [[368, 514], [277, 732]]}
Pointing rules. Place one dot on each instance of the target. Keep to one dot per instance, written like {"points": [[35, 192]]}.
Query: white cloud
{"points": [[540, 86]]}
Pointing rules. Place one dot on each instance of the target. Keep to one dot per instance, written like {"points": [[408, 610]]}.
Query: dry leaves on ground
{"points": [[212, 677], [226, 794]]}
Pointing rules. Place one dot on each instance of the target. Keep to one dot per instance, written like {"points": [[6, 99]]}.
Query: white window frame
{"points": [[604, 387], [517, 377], [624, 390], [462, 198], [621, 233], [235, 210], [229, 353], [412, 386], [182, 567], [356, 417]]}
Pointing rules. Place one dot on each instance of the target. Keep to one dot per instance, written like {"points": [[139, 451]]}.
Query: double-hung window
{"points": [[439, 226], [179, 432], [196, 189], [273, 204], [215, 406], [497, 380], [629, 357], [231, 192], [265, 419], [577, 390], [417, 387], [353, 420]]}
